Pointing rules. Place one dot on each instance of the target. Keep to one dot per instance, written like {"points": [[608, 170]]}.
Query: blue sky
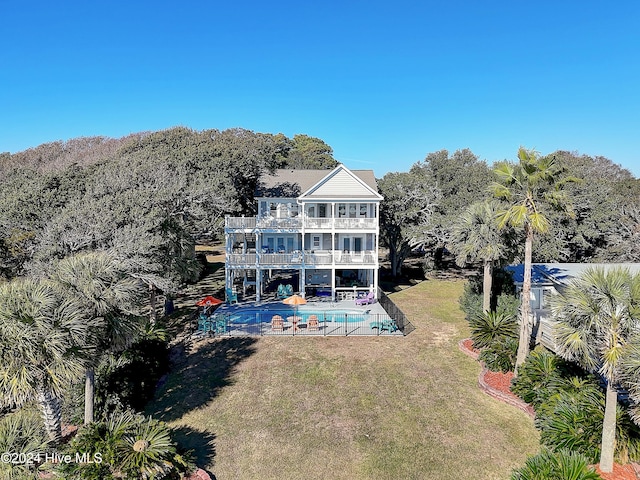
{"points": [[383, 83]]}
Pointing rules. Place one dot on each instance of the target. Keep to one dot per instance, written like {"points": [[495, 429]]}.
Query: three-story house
{"points": [[316, 230]]}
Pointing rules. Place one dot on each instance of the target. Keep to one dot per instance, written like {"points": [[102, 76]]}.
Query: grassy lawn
{"points": [[347, 408]]}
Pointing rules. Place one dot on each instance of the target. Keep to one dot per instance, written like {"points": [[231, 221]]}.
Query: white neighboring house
{"points": [[547, 279], [319, 228]]}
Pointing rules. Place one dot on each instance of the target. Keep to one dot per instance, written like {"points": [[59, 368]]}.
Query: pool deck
{"points": [[268, 308]]}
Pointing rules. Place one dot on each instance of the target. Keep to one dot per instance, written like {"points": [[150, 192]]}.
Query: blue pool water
{"points": [[249, 316]]}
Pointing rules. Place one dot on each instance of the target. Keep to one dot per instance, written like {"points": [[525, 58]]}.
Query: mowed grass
{"points": [[347, 407]]}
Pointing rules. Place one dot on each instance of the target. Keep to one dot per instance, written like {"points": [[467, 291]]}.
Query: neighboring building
{"points": [[547, 279], [317, 230]]}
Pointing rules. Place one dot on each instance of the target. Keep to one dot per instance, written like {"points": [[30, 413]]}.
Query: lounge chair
{"points": [[277, 323], [231, 297], [312, 323], [288, 290], [370, 298], [281, 294], [381, 325]]}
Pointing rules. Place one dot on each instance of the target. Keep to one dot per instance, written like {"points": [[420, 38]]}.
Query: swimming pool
{"points": [[261, 315]]}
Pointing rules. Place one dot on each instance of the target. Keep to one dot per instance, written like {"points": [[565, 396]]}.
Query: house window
{"points": [[316, 242], [363, 209], [311, 212]]}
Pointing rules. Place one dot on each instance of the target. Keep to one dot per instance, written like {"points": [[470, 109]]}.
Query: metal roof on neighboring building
{"points": [[561, 273]]}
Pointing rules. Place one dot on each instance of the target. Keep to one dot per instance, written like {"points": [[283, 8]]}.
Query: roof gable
{"points": [[343, 183]]}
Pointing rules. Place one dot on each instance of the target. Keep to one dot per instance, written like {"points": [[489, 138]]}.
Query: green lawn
{"points": [[347, 408]]}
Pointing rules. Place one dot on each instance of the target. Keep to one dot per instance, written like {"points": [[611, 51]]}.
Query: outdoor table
{"points": [[294, 319]]}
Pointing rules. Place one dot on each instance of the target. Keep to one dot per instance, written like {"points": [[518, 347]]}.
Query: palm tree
{"points": [[526, 186], [594, 327], [44, 342], [109, 297], [476, 237]]}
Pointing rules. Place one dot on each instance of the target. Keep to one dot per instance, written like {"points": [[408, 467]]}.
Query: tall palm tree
{"points": [[527, 186], [109, 297], [476, 237], [594, 326], [44, 342]]}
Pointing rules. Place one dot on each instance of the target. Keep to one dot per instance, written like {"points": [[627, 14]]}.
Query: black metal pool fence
{"points": [[325, 323]]}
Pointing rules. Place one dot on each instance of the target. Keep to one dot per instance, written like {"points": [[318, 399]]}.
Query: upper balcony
{"points": [[297, 223]]}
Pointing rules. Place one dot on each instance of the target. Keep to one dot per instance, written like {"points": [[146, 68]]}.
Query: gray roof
{"points": [[291, 183]]}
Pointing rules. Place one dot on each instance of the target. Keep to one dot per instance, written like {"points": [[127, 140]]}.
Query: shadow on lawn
{"points": [[195, 379], [200, 443]]}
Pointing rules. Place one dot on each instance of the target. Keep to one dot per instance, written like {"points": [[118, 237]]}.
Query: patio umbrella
{"points": [[294, 300], [208, 301]]}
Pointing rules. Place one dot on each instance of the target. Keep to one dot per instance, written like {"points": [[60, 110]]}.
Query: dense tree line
{"points": [[148, 196], [424, 207]]}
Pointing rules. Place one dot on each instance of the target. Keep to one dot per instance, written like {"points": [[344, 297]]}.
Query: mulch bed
{"points": [[199, 474], [498, 385]]}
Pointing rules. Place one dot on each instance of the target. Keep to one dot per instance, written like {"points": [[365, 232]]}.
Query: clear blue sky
{"points": [[383, 83]]}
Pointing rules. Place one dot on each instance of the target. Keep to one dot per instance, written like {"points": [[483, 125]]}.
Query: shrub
{"points": [[126, 445], [542, 375], [549, 465], [501, 355], [569, 407], [491, 327], [496, 335], [22, 433], [132, 382]]}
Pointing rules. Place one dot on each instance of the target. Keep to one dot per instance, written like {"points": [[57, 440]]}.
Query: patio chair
{"points": [[277, 323], [203, 323], [218, 324], [280, 294], [288, 290], [381, 325], [312, 323], [231, 297], [369, 299]]}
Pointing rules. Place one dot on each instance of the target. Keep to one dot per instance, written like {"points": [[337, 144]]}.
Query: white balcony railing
{"points": [[250, 223], [296, 259], [356, 223]]}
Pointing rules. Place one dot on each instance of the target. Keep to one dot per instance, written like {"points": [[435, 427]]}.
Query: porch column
{"points": [[258, 284]]}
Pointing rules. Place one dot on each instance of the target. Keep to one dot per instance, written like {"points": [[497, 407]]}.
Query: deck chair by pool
{"points": [[203, 323], [312, 323], [370, 298], [218, 324], [231, 297], [280, 294], [277, 323], [288, 290], [381, 325]]}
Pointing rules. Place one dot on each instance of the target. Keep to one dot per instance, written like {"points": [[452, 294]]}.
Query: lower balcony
{"points": [[298, 259]]}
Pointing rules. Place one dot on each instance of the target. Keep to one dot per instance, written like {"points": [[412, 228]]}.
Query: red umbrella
{"points": [[208, 301]]}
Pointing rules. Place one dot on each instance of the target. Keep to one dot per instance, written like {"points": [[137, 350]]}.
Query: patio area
{"points": [[314, 318]]}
